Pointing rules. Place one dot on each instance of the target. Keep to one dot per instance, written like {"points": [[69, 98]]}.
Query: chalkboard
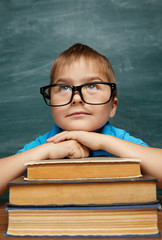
{"points": [[34, 33]]}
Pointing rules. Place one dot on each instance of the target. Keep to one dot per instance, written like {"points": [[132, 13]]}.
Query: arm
{"points": [[13, 166], [151, 158]]}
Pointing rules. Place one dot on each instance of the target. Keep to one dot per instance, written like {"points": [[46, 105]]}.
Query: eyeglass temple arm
{"points": [[42, 91]]}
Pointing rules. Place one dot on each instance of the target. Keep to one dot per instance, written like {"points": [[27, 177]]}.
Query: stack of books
{"points": [[89, 197]]}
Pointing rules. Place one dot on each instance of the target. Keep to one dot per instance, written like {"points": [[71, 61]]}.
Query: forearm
{"points": [[151, 158], [14, 166]]}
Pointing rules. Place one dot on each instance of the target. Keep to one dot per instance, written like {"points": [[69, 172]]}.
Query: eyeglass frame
{"points": [[74, 89]]}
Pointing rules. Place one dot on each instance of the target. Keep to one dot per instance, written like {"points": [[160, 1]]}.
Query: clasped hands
{"points": [[74, 144]]}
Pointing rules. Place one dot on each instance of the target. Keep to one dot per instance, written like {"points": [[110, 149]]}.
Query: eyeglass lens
{"points": [[94, 93]]}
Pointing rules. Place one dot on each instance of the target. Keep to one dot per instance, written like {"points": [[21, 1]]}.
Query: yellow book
{"points": [[85, 168], [82, 192], [125, 221]]}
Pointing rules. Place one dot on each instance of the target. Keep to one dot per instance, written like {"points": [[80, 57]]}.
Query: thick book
{"points": [[81, 192], [102, 221], [85, 168]]}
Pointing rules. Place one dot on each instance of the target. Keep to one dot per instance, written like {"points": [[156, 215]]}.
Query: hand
{"points": [[91, 140], [69, 149]]}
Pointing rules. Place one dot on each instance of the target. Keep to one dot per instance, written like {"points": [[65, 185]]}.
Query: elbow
{"points": [[159, 184], [3, 190]]}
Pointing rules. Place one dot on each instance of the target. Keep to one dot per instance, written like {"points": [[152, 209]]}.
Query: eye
{"points": [[65, 88], [92, 86]]}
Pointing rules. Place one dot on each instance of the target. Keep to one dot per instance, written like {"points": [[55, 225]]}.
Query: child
{"points": [[82, 96]]}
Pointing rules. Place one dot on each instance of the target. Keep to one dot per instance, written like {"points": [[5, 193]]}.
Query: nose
{"points": [[76, 98]]}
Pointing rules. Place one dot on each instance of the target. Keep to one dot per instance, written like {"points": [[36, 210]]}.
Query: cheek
{"points": [[103, 110], [57, 114], [102, 113]]}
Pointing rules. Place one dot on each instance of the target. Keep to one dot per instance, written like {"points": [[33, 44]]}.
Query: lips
{"points": [[78, 114]]}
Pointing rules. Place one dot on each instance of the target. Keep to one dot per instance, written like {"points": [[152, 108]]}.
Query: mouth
{"points": [[78, 114]]}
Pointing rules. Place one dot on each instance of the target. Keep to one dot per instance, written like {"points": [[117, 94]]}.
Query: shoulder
{"points": [[41, 139], [122, 134]]}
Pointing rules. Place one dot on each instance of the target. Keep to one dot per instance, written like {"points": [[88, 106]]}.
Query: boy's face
{"points": [[78, 115]]}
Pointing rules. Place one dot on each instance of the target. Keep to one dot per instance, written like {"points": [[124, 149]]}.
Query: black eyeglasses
{"points": [[94, 93]]}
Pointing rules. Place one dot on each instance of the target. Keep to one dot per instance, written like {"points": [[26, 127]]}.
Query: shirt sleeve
{"points": [[38, 141], [126, 136], [119, 133], [41, 139], [122, 134]]}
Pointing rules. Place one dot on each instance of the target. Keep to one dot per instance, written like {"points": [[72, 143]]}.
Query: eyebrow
{"points": [[84, 80]]}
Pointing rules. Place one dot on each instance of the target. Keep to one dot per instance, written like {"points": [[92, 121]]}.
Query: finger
{"points": [[54, 138], [86, 152], [50, 140], [65, 136], [77, 150]]}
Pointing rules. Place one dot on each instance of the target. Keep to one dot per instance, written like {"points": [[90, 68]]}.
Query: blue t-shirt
{"points": [[108, 129]]}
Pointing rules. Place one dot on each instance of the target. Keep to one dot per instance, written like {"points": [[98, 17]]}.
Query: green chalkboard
{"points": [[33, 33]]}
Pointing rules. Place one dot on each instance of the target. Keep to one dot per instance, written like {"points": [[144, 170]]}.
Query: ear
{"points": [[113, 107]]}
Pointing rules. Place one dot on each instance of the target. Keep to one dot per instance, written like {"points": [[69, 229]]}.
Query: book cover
{"points": [[101, 221], [109, 191], [84, 168]]}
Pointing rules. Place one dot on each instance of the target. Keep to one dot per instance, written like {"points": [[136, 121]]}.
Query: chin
{"points": [[80, 128]]}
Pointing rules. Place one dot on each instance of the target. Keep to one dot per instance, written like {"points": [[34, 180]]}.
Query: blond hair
{"points": [[77, 51]]}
